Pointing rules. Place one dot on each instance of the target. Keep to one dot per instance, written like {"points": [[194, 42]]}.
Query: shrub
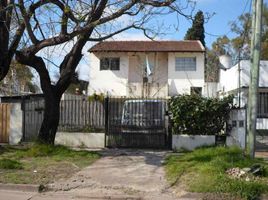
{"points": [[196, 115]]}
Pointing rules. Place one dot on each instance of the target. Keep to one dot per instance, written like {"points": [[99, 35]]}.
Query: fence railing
{"points": [[262, 105], [81, 115]]}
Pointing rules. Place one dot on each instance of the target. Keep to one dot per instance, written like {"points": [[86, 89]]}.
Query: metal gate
{"points": [[136, 123], [33, 116]]}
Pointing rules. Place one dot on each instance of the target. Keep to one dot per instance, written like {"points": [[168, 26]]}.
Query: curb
{"points": [[21, 187]]}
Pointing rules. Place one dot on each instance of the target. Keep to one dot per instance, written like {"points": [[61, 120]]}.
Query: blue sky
{"points": [[225, 11]]}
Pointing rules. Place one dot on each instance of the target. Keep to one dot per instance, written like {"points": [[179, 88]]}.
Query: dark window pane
{"points": [[196, 90], [115, 62], [104, 64]]}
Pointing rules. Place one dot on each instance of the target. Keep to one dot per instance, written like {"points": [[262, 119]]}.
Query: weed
{"points": [[10, 164], [203, 170]]}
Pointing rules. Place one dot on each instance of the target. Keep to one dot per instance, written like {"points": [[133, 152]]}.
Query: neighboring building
{"points": [[231, 78], [147, 68]]}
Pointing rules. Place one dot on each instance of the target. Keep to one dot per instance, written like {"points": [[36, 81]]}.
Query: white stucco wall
{"points": [[89, 140], [180, 82], [164, 82], [157, 84], [107, 81], [229, 78], [237, 135], [15, 134], [191, 142]]}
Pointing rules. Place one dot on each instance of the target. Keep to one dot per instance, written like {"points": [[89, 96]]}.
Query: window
{"points": [[196, 91], [234, 123], [110, 63], [185, 64]]}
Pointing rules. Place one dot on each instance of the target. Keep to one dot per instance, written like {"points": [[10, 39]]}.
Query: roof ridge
{"points": [[146, 45]]}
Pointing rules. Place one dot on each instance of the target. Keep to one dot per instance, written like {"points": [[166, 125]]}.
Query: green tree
{"points": [[197, 31], [221, 46], [243, 39], [18, 80]]}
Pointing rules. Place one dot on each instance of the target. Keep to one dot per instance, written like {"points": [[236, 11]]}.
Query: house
{"points": [[235, 81], [147, 68]]}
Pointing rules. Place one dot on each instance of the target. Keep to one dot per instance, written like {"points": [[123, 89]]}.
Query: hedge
{"points": [[196, 115]]}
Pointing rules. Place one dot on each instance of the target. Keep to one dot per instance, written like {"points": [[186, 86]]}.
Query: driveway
{"points": [[134, 174]]}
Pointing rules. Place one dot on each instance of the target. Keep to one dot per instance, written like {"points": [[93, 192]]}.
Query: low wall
{"points": [[262, 124], [236, 139], [237, 135], [15, 133], [89, 140], [190, 142]]}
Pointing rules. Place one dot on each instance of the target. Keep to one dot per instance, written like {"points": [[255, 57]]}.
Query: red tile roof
{"points": [[148, 46]]}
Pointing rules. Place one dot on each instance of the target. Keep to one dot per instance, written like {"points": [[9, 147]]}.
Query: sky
{"points": [[224, 13]]}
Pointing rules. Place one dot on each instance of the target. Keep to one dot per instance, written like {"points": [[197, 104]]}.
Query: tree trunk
{"points": [[49, 127]]}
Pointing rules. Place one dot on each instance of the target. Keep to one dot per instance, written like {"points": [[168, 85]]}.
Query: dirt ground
{"points": [[138, 174]]}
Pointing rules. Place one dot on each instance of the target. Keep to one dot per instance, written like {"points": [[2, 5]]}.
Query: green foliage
{"points": [[96, 97], [212, 67], [242, 41], [10, 164], [203, 170], [196, 115], [197, 31], [19, 76]]}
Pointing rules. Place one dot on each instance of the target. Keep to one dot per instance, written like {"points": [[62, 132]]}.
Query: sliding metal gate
{"points": [[136, 123]]}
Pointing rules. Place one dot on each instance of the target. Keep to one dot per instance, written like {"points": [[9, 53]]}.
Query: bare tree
{"points": [[11, 32], [53, 22]]}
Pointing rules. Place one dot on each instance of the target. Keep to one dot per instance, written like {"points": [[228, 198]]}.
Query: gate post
{"points": [[106, 108], [23, 117]]}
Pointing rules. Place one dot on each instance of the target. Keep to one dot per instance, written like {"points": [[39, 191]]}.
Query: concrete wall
{"points": [[164, 82], [191, 142], [107, 81], [237, 136], [210, 89], [157, 83], [262, 124], [180, 82], [15, 134], [229, 78], [89, 140]]}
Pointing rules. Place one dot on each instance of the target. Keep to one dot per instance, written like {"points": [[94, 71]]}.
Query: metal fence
{"points": [[33, 111], [78, 115], [136, 123], [262, 105], [81, 115]]}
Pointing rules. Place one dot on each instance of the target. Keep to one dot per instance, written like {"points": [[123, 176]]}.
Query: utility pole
{"points": [[254, 74]]}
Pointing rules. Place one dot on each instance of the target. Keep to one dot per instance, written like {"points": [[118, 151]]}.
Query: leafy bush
{"points": [[196, 115]]}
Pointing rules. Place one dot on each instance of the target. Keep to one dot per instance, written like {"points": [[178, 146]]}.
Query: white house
{"points": [[235, 80], [146, 68]]}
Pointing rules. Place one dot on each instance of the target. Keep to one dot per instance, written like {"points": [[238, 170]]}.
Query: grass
{"points": [[203, 170], [41, 164]]}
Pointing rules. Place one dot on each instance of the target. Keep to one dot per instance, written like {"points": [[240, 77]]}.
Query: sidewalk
{"points": [[70, 195]]}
